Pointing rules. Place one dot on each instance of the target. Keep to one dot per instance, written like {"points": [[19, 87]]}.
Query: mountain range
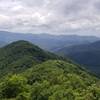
{"points": [[2, 43], [86, 54], [81, 49], [47, 41], [28, 72]]}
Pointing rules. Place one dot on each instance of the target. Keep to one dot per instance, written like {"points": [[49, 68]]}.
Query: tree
{"points": [[41, 91], [13, 86]]}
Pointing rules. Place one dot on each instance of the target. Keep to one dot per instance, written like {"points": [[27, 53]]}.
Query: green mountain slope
{"points": [[20, 55], [87, 55], [51, 80], [52, 69], [43, 76]]}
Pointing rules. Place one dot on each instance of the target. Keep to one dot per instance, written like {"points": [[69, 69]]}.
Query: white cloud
{"points": [[53, 16]]}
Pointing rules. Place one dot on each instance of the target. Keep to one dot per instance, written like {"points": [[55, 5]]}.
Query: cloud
{"points": [[53, 16]]}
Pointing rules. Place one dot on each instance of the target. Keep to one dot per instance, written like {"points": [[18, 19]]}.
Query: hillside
{"points": [[2, 43], [47, 41], [51, 80], [87, 55], [34, 74], [20, 55]]}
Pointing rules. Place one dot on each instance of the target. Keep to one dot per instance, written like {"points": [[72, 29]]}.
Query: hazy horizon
{"points": [[73, 34]]}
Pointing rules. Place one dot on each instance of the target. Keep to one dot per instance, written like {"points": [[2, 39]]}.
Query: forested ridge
{"points": [[29, 73], [86, 54]]}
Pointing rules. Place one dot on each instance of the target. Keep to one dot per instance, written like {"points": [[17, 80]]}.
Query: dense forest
{"points": [[29, 73], [84, 54]]}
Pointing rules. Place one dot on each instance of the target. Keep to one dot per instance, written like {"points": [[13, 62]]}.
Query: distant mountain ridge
{"points": [[47, 41], [57, 44], [2, 43], [87, 55]]}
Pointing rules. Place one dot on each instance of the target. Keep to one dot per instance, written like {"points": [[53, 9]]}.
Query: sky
{"points": [[80, 17]]}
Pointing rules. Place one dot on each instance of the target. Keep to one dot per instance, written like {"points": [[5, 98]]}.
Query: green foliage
{"points": [[51, 80], [45, 79], [84, 54], [13, 86], [40, 91], [23, 96], [58, 80], [19, 56]]}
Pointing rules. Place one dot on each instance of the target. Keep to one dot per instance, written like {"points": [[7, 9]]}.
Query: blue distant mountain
{"points": [[47, 41], [86, 54], [2, 43], [84, 50]]}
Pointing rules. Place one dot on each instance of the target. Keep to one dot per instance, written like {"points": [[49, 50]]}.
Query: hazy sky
{"points": [[51, 16]]}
